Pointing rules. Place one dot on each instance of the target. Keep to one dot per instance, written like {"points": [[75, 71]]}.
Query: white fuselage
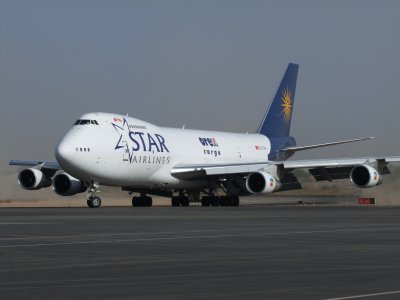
{"points": [[123, 151]]}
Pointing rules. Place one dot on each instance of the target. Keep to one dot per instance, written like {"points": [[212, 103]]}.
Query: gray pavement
{"points": [[250, 252]]}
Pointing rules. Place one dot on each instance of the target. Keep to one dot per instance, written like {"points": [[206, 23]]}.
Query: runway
{"points": [[248, 252]]}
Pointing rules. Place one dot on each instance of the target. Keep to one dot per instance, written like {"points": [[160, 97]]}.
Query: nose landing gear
{"points": [[92, 200]]}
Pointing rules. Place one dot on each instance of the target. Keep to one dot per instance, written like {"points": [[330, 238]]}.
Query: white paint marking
{"points": [[197, 237], [24, 223], [366, 295], [155, 233]]}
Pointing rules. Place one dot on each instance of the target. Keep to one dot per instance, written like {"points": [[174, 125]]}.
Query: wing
{"points": [[193, 172], [324, 169], [331, 169], [47, 167], [51, 165]]}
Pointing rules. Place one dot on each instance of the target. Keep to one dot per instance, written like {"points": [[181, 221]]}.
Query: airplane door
{"points": [[239, 153], [125, 153]]}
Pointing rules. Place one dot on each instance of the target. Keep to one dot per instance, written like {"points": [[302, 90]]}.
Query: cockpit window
{"points": [[86, 122]]}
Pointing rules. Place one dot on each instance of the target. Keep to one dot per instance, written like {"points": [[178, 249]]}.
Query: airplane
{"points": [[211, 167]]}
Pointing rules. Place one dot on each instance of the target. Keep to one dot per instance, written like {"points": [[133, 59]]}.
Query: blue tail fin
{"points": [[276, 122]]}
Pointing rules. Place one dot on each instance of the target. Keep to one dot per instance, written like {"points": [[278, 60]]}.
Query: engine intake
{"points": [[365, 176], [33, 179], [262, 183], [66, 185]]}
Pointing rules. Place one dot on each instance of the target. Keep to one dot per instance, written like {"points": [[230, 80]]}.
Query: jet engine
{"points": [[33, 179], [365, 176], [66, 185], [262, 183]]}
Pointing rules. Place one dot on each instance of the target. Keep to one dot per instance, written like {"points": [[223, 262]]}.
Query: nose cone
{"points": [[64, 153]]}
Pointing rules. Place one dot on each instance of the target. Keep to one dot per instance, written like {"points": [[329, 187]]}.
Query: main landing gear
{"points": [[180, 200], [183, 199], [143, 200], [220, 201]]}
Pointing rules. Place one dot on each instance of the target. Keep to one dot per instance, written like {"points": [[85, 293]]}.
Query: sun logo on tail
{"points": [[287, 104]]}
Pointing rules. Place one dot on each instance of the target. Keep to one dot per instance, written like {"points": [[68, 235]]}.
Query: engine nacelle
{"points": [[365, 176], [33, 179], [66, 185], [262, 183]]}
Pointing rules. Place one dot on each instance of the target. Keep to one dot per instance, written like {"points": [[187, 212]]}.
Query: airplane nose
{"points": [[64, 152]]}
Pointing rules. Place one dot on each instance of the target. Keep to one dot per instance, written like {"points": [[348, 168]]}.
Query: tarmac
{"points": [[246, 252]]}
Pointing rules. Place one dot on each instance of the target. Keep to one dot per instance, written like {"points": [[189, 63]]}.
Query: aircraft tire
{"points": [[137, 201], [232, 201], [187, 201], [235, 201], [214, 201], [206, 201], [94, 202], [148, 201], [223, 201], [184, 201], [175, 201]]}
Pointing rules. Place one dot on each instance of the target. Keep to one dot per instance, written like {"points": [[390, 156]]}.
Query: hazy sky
{"points": [[205, 64]]}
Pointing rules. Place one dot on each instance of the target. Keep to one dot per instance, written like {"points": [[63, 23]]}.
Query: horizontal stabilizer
{"points": [[295, 149]]}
